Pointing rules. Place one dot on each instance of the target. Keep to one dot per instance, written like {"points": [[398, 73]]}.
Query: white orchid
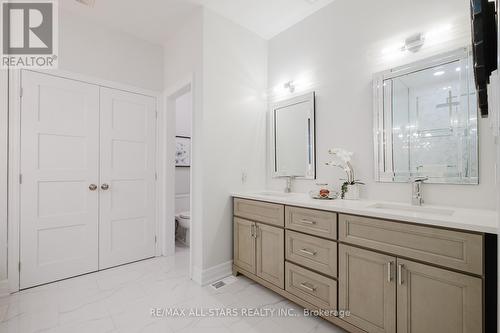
{"points": [[342, 154], [342, 159]]}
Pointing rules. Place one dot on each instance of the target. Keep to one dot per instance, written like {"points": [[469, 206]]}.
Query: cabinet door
{"points": [[434, 300], [271, 254], [367, 289], [244, 244]]}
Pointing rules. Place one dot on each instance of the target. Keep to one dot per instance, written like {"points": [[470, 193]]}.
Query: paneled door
{"points": [[367, 288], [270, 251], [127, 178], [59, 178], [435, 300], [244, 244]]}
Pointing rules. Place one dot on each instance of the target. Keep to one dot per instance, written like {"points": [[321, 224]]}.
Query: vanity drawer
{"points": [[312, 252], [260, 211], [311, 287], [310, 221], [454, 249]]}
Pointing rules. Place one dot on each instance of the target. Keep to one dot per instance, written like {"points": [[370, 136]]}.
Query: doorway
{"points": [[183, 121], [176, 142]]}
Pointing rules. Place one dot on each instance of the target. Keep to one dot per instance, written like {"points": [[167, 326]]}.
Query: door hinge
{"points": [[156, 114], [156, 175], [21, 91], [156, 240], [20, 178], [19, 267]]}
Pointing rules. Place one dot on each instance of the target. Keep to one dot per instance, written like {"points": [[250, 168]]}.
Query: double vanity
{"points": [[372, 266], [379, 267]]}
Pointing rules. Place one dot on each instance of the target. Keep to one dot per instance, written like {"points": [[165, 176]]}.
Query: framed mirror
{"points": [[425, 121], [293, 138]]}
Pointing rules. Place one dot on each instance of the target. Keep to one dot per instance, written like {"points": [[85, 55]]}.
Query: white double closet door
{"points": [[87, 199]]}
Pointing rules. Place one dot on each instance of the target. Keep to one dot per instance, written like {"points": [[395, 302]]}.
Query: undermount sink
{"points": [[414, 209]]}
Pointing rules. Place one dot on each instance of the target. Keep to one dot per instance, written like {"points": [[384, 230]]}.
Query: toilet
{"points": [[184, 222]]}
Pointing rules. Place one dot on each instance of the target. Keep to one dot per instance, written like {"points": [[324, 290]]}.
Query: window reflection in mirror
{"points": [[426, 121], [293, 138]]}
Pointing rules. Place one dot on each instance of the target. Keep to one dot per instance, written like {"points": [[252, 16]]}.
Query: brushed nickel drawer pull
{"points": [[252, 230], [308, 222], [306, 287], [306, 251], [400, 274]]}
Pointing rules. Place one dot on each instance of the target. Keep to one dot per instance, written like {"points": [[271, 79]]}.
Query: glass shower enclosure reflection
{"points": [[426, 121]]}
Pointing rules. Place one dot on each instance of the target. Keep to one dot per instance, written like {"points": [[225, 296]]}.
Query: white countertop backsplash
{"points": [[478, 220]]}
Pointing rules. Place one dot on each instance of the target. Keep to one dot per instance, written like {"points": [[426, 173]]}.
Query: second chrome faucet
{"points": [[417, 198]]}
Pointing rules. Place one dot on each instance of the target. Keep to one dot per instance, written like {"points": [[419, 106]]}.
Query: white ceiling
{"points": [[156, 20], [151, 20], [266, 18]]}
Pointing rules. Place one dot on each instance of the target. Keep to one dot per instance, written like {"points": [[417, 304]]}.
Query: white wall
{"points": [[234, 130], [95, 50], [183, 114], [228, 66], [337, 50], [3, 174]]}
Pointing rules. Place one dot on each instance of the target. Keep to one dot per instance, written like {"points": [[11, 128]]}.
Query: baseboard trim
{"points": [[212, 274]]}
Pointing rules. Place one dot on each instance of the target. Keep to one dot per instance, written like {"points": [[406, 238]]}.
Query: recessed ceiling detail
{"points": [[157, 20], [267, 18]]}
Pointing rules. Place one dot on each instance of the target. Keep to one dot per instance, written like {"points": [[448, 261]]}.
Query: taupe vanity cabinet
{"points": [[435, 300], [259, 247], [391, 277], [427, 299], [244, 245], [367, 288], [376, 287]]}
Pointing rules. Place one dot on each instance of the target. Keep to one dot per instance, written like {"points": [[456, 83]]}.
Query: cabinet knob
{"points": [[104, 187], [92, 187]]}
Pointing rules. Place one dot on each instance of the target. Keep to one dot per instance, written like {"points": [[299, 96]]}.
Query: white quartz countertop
{"points": [[478, 220]]}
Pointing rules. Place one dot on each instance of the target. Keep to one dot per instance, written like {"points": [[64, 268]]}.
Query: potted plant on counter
{"points": [[342, 159]]}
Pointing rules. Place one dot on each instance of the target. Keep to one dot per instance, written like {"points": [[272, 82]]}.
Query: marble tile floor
{"points": [[121, 300]]}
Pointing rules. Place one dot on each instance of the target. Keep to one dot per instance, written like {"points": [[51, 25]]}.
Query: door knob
{"points": [[105, 187], [92, 187]]}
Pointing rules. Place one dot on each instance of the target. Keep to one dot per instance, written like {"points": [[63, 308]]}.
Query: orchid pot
{"points": [[351, 191]]}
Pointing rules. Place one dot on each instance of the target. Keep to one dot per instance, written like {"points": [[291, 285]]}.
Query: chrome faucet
{"points": [[288, 188], [417, 198]]}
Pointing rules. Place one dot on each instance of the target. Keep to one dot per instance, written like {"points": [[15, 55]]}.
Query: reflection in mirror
{"points": [[426, 121], [293, 134]]}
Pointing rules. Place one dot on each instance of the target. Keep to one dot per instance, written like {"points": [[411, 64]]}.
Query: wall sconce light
{"points": [[290, 86]]}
